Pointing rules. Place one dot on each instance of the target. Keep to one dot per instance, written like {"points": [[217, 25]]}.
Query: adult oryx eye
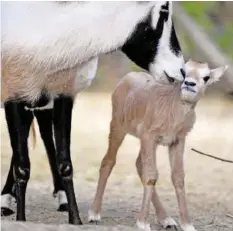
{"points": [[170, 79], [206, 78]]}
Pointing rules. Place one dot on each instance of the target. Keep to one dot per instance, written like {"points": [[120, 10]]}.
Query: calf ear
{"points": [[217, 73]]}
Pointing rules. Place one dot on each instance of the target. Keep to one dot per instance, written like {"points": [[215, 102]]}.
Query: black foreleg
{"points": [[62, 128], [45, 122], [19, 121]]}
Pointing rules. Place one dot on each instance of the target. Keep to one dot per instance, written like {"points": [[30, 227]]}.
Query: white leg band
{"points": [[6, 200], [61, 197]]}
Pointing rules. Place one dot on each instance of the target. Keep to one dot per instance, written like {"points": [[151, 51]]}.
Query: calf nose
{"points": [[188, 83]]}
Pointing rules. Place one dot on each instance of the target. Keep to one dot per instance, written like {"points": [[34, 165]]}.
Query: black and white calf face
{"points": [[154, 46]]}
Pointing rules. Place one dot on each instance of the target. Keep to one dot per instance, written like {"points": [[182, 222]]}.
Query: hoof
{"points": [[171, 228], [93, 218], [6, 212], [188, 227], [168, 223], [143, 226], [63, 208], [6, 202], [95, 222]]}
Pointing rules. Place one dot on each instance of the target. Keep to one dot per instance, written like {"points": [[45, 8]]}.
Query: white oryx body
{"points": [[42, 40], [50, 53]]}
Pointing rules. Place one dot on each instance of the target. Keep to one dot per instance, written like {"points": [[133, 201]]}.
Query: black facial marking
{"points": [[142, 45], [183, 72], [174, 44], [170, 79]]}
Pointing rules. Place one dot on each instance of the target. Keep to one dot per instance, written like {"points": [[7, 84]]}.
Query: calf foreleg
{"points": [[116, 137]]}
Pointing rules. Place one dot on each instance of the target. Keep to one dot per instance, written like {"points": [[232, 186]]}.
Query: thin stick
{"points": [[217, 158], [229, 215]]}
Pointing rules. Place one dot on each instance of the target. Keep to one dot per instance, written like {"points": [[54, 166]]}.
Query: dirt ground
{"points": [[209, 183]]}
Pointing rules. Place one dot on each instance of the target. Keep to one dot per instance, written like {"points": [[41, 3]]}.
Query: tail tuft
{"points": [[33, 134]]}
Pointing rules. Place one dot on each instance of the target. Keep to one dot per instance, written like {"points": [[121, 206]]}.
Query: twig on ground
{"points": [[217, 158], [229, 215]]}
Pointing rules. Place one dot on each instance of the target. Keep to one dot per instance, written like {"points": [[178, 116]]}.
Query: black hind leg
{"points": [[45, 122], [8, 193]]}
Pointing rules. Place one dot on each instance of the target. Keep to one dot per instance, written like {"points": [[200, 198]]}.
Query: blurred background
{"points": [[205, 31]]}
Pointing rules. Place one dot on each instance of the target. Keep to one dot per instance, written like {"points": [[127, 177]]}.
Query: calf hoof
{"points": [[93, 217], [94, 222], [63, 208], [187, 227], [168, 223], [171, 228], [6, 211], [141, 225]]}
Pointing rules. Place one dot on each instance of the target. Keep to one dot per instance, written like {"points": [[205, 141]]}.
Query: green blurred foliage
{"points": [[200, 12]]}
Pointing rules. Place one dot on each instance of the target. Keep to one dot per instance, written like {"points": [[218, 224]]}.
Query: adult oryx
{"points": [[45, 44]]}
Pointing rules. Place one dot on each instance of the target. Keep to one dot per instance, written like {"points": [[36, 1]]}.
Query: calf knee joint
{"points": [[66, 170], [151, 178], [107, 163], [151, 182]]}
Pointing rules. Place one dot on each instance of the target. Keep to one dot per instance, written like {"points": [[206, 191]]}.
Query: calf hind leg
{"points": [[176, 151], [116, 138], [162, 217], [45, 122], [149, 178]]}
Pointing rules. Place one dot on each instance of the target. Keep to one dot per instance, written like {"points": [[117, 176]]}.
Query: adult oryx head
{"points": [[153, 45]]}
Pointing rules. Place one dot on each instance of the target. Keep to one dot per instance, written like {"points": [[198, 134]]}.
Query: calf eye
{"points": [[206, 78]]}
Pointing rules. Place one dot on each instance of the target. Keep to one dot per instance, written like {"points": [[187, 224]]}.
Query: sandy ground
{"points": [[209, 183]]}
